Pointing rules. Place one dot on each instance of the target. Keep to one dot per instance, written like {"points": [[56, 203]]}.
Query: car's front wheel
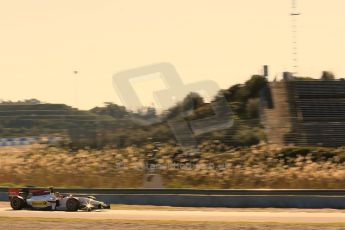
{"points": [[72, 205]]}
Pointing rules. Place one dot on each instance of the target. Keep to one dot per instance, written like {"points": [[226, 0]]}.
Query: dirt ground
{"points": [[61, 225]]}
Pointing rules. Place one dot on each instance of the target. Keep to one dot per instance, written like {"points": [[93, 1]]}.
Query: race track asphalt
{"points": [[292, 216]]}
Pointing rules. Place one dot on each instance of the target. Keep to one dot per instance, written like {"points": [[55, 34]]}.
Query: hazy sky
{"points": [[43, 42]]}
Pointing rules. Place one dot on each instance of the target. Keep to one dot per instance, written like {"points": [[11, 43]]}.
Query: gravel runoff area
{"points": [[14, 223], [62, 224]]}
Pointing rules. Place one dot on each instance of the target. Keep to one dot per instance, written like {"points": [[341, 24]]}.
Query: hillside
{"points": [[115, 125]]}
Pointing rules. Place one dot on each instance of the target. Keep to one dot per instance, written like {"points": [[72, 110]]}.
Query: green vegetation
{"points": [[114, 125], [327, 76]]}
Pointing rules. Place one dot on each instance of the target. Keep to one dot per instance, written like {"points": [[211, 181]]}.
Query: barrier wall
{"points": [[216, 198]]}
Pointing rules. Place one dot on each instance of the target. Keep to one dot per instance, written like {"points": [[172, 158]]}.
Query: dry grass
{"points": [[260, 166], [44, 166]]}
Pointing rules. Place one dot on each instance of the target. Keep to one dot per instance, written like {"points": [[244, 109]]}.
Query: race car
{"points": [[47, 199]]}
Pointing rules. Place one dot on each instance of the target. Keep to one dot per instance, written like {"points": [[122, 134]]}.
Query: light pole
{"points": [[294, 14]]}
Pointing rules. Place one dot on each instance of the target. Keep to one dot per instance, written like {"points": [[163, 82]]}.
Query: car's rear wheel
{"points": [[17, 203], [72, 205]]}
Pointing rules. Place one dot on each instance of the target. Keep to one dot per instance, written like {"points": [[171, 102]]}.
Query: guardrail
{"points": [[234, 198]]}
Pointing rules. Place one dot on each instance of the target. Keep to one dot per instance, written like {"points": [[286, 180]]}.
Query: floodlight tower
{"points": [[294, 15]]}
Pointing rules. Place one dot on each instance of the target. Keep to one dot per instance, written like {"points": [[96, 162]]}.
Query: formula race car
{"points": [[47, 199]]}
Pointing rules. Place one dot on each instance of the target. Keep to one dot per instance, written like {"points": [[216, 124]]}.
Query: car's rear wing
{"points": [[14, 191], [25, 191]]}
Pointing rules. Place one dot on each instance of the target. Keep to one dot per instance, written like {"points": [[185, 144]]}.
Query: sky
{"points": [[43, 42]]}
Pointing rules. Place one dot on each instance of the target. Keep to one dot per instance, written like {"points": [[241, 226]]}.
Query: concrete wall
{"points": [[276, 120], [252, 201]]}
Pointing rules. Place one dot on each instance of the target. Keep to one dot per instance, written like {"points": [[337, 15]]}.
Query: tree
{"points": [[192, 101], [255, 84], [188, 105], [111, 109], [327, 76]]}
